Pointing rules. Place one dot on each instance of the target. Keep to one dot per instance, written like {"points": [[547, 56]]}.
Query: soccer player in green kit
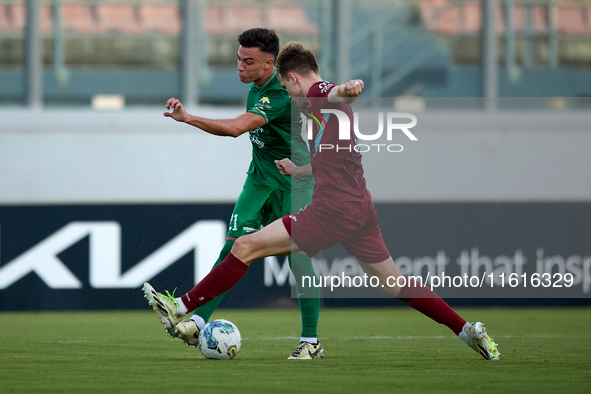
{"points": [[274, 135]]}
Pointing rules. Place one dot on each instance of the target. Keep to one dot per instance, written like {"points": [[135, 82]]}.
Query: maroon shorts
{"points": [[354, 225]]}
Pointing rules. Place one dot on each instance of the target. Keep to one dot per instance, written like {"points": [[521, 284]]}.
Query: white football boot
{"points": [[307, 351], [479, 340], [164, 305], [186, 330]]}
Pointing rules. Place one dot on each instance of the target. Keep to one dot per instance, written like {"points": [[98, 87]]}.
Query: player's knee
{"points": [[242, 248]]}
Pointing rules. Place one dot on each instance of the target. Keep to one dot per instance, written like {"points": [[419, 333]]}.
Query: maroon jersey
{"points": [[336, 165]]}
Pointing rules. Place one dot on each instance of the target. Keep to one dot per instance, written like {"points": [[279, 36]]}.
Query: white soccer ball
{"points": [[220, 340]]}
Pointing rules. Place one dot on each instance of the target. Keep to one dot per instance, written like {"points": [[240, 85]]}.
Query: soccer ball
{"points": [[220, 340]]}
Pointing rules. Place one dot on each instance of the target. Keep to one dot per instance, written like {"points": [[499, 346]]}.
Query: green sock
{"points": [[309, 301], [206, 310]]}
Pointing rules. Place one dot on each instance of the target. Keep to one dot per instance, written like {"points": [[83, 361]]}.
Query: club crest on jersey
{"points": [[324, 86]]}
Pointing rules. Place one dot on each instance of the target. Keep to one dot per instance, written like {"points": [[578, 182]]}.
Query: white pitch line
{"points": [[74, 342], [530, 336], [406, 337]]}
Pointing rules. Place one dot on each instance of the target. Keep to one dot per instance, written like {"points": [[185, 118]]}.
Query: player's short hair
{"points": [[294, 57], [262, 38]]}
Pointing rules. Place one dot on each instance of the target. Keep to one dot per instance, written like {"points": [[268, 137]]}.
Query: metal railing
{"points": [[374, 37], [409, 33]]}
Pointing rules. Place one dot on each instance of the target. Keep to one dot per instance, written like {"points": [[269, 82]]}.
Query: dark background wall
{"points": [[422, 237]]}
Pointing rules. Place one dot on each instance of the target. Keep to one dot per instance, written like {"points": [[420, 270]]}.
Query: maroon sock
{"points": [[219, 280], [426, 301]]}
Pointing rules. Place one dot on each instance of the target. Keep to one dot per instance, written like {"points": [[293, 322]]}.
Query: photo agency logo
{"points": [[395, 122]]}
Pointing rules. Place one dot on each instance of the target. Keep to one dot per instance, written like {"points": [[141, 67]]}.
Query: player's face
{"points": [[294, 90], [252, 64]]}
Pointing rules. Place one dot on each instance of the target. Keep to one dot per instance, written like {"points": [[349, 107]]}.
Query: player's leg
{"points": [[308, 296], [368, 247], [416, 295], [252, 209], [273, 240], [202, 314], [374, 258], [426, 301], [301, 266], [270, 241], [249, 213], [188, 330]]}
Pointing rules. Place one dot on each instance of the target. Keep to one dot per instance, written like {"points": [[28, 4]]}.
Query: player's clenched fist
{"points": [[284, 166], [177, 112], [354, 87]]}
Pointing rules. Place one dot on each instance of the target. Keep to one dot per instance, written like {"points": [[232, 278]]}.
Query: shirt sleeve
{"points": [[271, 106], [318, 93]]}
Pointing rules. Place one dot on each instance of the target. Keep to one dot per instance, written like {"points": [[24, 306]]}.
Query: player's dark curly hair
{"points": [[259, 37], [294, 57]]}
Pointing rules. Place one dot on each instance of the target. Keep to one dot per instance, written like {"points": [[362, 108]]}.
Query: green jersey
{"points": [[278, 139]]}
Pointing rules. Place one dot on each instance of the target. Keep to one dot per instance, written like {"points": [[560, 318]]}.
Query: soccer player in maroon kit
{"points": [[342, 212]]}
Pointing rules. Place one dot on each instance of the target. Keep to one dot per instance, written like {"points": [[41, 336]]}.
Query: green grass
{"points": [[367, 351]]}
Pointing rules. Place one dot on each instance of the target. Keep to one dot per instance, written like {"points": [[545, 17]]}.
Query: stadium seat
{"points": [[5, 23], [12, 18], [214, 24], [46, 19], [230, 20], [574, 20], [572, 17], [122, 19], [79, 19], [163, 19], [238, 19], [540, 19], [290, 20], [456, 20]]}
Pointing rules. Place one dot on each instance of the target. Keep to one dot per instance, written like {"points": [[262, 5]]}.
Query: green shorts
{"points": [[257, 203]]}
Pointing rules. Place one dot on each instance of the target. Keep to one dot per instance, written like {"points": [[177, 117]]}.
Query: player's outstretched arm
{"points": [[287, 168], [347, 92], [222, 127]]}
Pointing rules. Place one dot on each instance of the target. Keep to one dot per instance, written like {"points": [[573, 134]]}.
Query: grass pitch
{"points": [[544, 350]]}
